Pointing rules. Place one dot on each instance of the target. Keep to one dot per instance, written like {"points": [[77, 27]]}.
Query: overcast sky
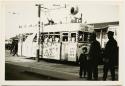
{"points": [[26, 13]]}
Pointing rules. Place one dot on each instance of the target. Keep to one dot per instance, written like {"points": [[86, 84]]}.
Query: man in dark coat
{"points": [[12, 46], [94, 57], [15, 48], [110, 55], [83, 63]]}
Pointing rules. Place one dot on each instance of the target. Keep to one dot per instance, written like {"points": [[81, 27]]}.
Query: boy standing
{"points": [[83, 63]]}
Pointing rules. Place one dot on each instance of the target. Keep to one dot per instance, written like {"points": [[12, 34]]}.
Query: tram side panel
{"points": [[64, 51], [51, 51], [34, 49], [72, 51], [28, 47], [72, 48], [19, 49]]}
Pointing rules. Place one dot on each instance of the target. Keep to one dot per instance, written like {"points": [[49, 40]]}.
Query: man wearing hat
{"points": [[93, 58], [110, 54]]}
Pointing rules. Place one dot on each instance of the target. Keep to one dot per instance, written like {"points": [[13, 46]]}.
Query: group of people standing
{"points": [[89, 63], [14, 48]]}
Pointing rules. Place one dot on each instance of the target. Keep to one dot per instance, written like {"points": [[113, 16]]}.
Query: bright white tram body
{"points": [[62, 41], [59, 42]]}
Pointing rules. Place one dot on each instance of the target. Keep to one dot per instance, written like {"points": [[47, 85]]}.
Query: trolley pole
{"points": [[38, 34]]}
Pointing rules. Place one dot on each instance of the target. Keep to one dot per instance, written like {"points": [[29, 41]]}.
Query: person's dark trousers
{"points": [[107, 67], [11, 51], [89, 70], [112, 70], [95, 71], [82, 69], [15, 53]]}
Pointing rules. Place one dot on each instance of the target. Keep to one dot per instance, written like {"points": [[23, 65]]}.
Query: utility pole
{"points": [[38, 34]]}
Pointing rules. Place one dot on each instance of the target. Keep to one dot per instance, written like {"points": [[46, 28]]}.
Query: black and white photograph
{"points": [[62, 40]]}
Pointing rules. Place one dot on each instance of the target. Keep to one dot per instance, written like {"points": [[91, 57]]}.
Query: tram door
{"points": [[69, 46], [64, 50]]}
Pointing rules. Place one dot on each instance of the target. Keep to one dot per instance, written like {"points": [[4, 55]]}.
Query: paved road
{"points": [[15, 66], [14, 72]]}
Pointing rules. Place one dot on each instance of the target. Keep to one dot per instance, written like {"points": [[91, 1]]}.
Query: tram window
{"points": [[46, 38], [85, 36], [81, 36], [57, 38], [65, 38], [73, 37], [50, 38], [53, 38]]}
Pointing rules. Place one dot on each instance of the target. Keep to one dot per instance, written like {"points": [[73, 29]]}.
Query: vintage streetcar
{"points": [[62, 42], [58, 42]]}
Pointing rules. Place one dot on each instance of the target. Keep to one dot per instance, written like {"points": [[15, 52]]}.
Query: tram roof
{"points": [[68, 27]]}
